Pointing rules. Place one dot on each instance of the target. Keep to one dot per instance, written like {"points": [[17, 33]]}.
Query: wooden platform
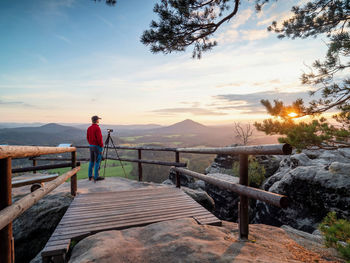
{"points": [[96, 212]]}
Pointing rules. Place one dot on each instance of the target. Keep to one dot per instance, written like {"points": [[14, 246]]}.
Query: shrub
{"points": [[336, 233], [256, 172]]}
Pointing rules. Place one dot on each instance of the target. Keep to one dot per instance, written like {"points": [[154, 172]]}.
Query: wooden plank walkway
{"points": [[96, 212]]}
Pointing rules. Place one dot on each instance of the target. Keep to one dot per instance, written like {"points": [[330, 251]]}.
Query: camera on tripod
{"points": [[109, 130]]}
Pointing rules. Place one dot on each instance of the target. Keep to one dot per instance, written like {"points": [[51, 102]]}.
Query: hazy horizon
{"points": [[64, 61]]}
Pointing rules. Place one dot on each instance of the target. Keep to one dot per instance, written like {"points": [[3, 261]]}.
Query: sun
{"points": [[292, 114]]}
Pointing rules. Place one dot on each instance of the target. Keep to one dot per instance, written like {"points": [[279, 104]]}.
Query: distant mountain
{"points": [[48, 134], [184, 127], [121, 128], [19, 124]]}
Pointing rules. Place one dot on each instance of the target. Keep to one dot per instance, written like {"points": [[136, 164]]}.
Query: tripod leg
{"points": [[118, 157], [107, 146]]}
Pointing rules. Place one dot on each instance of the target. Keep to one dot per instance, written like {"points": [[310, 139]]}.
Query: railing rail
{"points": [[251, 192], [269, 149], [30, 151], [9, 211]]}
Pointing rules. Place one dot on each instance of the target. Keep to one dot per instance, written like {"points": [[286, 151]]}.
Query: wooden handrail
{"points": [[143, 148], [8, 214], [258, 194], [29, 151], [268, 149]]}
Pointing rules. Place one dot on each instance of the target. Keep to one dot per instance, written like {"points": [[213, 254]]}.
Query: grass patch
{"points": [[113, 169], [131, 138]]}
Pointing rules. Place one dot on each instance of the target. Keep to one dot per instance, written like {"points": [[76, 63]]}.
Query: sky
{"points": [[66, 60]]}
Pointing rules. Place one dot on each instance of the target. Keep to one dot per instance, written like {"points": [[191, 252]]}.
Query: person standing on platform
{"points": [[94, 137]]}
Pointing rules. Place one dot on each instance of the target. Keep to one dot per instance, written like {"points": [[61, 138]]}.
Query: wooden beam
{"points": [[254, 149], [281, 149], [243, 219], [41, 167], [255, 193], [143, 148], [29, 151], [140, 165], [73, 179], [6, 244], [36, 179], [178, 178], [149, 162], [35, 163], [10, 213]]}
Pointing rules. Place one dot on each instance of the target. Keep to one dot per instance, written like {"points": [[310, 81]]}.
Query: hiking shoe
{"points": [[90, 178], [99, 178]]}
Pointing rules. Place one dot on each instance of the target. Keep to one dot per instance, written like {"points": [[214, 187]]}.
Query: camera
{"points": [[109, 130]]}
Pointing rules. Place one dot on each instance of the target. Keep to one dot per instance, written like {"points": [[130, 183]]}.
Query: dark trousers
{"points": [[95, 160]]}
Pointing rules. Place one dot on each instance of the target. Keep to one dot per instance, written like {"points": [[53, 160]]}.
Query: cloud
{"points": [[242, 18], [250, 103], [190, 110], [231, 84], [42, 58], [16, 103], [232, 35], [105, 21], [253, 34], [278, 17], [63, 38]]}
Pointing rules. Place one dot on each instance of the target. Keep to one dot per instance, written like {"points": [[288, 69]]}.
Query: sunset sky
{"points": [[65, 60]]}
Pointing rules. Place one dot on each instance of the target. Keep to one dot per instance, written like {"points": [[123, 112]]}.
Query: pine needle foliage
{"points": [[336, 233], [256, 172]]}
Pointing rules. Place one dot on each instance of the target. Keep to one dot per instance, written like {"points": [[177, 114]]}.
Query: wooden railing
{"points": [[242, 188], [12, 211], [9, 211]]}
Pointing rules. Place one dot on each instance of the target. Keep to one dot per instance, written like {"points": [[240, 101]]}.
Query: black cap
{"points": [[95, 118]]}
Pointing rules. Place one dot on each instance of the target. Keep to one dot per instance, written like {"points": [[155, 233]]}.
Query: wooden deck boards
{"points": [[95, 212]]}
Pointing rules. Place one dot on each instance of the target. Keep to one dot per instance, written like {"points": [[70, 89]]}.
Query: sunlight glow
{"points": [[292, 115]]}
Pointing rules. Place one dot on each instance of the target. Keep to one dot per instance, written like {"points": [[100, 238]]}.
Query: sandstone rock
{"points": [[184, 240], [34, 227], [341, 168], [168, 182], [185, 180], [222, 164], [271, 163], [200, 197], [199, 184], [313, 192], [226, 202]]}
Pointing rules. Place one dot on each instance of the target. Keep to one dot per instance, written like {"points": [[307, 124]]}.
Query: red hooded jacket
{"points": [[94, 135]]}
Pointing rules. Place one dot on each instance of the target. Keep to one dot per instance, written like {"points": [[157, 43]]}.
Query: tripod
{"points": [[105, 150]]}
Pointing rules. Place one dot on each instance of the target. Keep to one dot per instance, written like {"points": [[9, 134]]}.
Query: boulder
{"points": [[184, 240], [200, 197], [34, 227], [222, 164], [313, 191], [185, 180]]}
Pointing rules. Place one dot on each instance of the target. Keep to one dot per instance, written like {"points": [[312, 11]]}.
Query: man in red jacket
{"points": [[94, 137]]}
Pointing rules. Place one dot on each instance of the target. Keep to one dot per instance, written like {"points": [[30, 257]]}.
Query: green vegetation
{"points": [[130, 138], [256, 172], [113, 169], [336, 233]]}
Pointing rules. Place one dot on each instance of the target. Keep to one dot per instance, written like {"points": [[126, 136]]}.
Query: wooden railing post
{"points": [[34, 164], [178, 179], [140, 165], [6, 239], [243, 212], [73, 180]]}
